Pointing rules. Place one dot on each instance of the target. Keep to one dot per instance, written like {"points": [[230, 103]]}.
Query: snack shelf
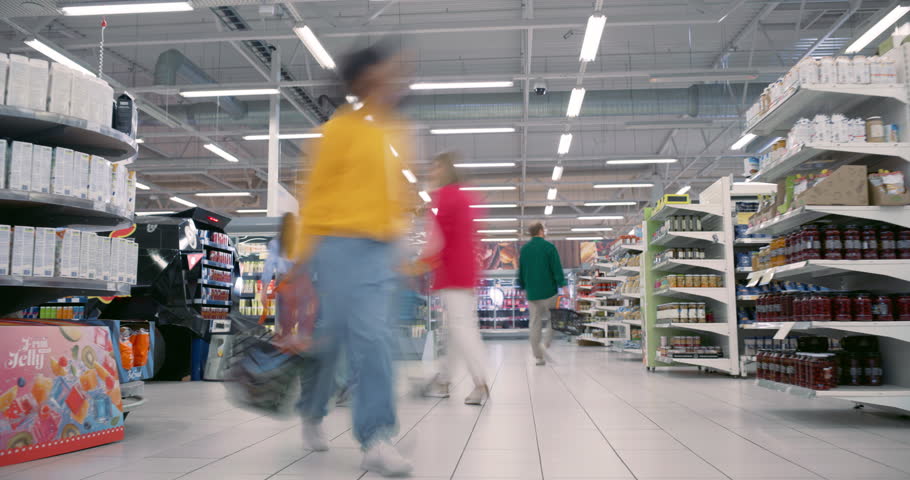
{"points": [[814, 270], [55, 130], [701, 209], [713, 293], [718, 328], [809, 213], [679, 265], [24, 291], [884, 395], [810, 151], [896, 330], [809, 99], [49, 210], [687, 239]]}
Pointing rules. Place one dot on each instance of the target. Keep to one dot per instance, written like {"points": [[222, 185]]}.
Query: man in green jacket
{"points": [[540, 275]]}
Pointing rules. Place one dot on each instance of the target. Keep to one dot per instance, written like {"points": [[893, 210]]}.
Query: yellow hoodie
{"points": [[355, 187]]}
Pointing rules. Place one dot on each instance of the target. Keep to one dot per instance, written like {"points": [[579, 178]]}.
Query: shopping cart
{"points": [[566, 321]]}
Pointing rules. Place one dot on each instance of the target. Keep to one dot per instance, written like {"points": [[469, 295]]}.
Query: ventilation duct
{"points": [[173, 63]]}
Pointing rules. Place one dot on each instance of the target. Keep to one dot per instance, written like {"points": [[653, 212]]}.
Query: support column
{"points": [[274, 129]]}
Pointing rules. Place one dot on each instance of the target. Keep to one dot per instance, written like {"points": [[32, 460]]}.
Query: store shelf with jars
{"points": [[501, 305], [690, 283]]}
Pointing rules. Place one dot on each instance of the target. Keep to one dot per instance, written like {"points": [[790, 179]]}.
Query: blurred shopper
{"points": [[277, 264], [541, 276], [353, 207], [452, 253]]}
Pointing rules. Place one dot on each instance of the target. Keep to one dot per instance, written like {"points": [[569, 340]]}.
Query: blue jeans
{"points": [[355, 285]]}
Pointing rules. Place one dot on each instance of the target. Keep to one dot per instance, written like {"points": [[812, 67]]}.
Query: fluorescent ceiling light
{"points": [[496, 220], [551, 194], [642, 161], [183, 202], [498, 239], [496, 205], [485, 165], [140, 141], [565, 143], [507, 230], [464, 131], [602, 217], [593, 33], [585, 239], [708, 76], [610, 204], [56, 56], [252, 210], [557, 173], [488, 189], [221, 153], [742, 142], [593, 229], [456, 85], [284, 136], [878, 29], [575, 100], [392, 149], [119, 8], [224, 194], [624, 185], [142, 186], [684, 190], [425, 196], [229, 93], [315, 47], [158, 212], [548, 210], [409, 175]]}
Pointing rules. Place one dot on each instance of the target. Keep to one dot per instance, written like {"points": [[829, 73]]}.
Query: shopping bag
{"points": [[297, 310], [261, 376]]}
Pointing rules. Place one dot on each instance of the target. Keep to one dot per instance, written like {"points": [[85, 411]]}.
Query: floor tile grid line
{"points": [[588, 414], [534, 422], [794, 427], [644, 415], [477, 419]]}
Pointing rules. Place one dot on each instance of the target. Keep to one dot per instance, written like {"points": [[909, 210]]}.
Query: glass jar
{"points": [[887, 243], [855, 369], [853, 243], [872, 370], [882, 309], [791, 249], [786, 308], [862, 307], [903, 244], [842, 308], [870, 243], [875, 130], [820, 308], [760, 365], [811, 241], [834, 245], [902, 307], [799, 308]]}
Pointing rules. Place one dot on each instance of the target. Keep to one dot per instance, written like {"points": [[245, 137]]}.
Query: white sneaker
{"points": [[384, 459], [313, 436], [436, 388], [541, 362], [477, 397]]}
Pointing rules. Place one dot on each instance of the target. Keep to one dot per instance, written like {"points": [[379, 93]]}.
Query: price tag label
{"points": [[754, 278], [784, 331], [767, 277]]}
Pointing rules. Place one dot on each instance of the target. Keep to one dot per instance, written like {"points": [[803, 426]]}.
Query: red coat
{"points": [[455, 261]]}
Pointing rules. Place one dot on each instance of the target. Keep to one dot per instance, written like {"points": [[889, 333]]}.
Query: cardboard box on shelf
{"points": [[42, 158], [17, 90], [61, 183], [80, 181], [4, 69], [6, 238], [79, 103], [4, 147], [846, 186], [61, 89], [85, 255], [38, 77], [106, 262], [877, 197], [23, 250], [45, 249], [20, 166], [67, 258]]}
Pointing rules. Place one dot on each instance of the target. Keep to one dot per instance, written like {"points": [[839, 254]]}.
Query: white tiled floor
{"points": [[595, 415]]}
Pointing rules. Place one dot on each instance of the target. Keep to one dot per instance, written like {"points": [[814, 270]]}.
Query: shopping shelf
{"points": [[884, 395], [749, 242], [812, 151], [896, 330], [215, 283], [699, 209], [718, 294], [679, 265], [718, 328], [214, 264], [781, 224], [687, 239], [49, 210], [813, 270], [636, 323], [24, 291], [722, 364]]}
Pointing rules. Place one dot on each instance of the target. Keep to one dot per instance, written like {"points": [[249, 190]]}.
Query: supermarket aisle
{"points": [[596, 415]]}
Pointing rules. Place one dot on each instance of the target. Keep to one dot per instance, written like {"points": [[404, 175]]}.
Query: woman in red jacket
{"points": [[452, 252]]}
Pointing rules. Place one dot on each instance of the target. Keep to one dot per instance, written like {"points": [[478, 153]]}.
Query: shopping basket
{"points": [[566, 321]]}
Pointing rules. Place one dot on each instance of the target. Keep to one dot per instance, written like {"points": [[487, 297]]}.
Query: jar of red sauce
{"points": [[887, 243], [842, 308], [833, 243], [812, 245], [793, 249], [855, 371], [862, 308], [819, 308], [902, 307], [853, 243], [883, 309], [870, 243], [786, 308], [799, 308], [903, 244], [760, 364], [872, 370]]}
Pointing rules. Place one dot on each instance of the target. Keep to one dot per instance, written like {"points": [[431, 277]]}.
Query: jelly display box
{"points": [[59, 391]]}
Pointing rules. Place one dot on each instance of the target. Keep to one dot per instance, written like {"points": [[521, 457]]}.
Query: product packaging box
{"points": [[38, 79], [23, 250], [96, 262], [61, 88], [120, 184], [131, 193], [67, 258], [4, 147], [85, 255], [847, 185], [79, 103], [80, 180], [102, 106], [99, 179], [45, 250], [6, 238], [17, 81], [4, 68], [116, 271], [106, 262], [20, 166], [877, 197], [132, 260], [61, 183], [42, 158]]}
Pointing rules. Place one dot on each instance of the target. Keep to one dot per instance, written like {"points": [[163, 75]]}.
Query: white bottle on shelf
{"points": [[861, 74], [844, 70]]}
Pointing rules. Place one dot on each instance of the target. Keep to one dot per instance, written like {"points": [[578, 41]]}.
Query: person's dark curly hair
{"points": [[355, 63]]}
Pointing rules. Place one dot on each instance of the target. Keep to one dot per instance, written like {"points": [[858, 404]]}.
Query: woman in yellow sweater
{"points": [[353, 212]]}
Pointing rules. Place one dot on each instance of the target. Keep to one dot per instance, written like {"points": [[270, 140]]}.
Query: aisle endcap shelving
{"points": [[687, 239], [893, 329], [672, 209], [718, 328], [814, 269], [679, 265], [895, 215], [714, 293], [30, 290], [884, 395], [812, 150]]}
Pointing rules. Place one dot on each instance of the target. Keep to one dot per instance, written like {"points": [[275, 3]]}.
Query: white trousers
{"points": [[463, 342]]}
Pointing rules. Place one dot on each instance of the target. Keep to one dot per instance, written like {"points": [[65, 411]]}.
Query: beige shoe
{"points": [[478, 395], [541, 362]]}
